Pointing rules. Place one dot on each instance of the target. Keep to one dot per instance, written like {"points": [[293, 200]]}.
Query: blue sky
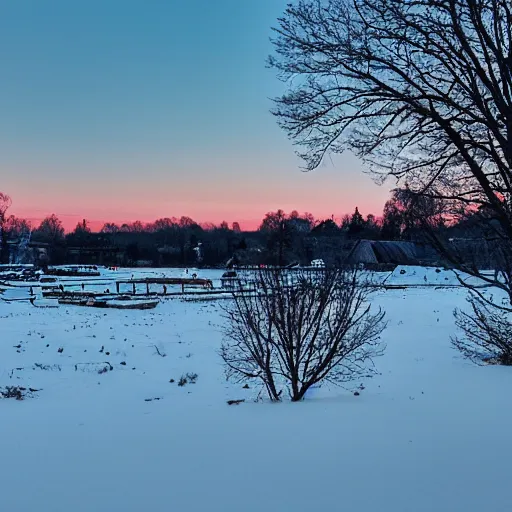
{"points": [[141, 109]]}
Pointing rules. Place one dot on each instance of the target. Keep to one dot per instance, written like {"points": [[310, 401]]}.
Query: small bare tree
{"points": [[5, 203], [301, 329], [487, 332]]}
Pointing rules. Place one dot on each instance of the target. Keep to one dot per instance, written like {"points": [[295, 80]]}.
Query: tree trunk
{"points": [[4, 248]]}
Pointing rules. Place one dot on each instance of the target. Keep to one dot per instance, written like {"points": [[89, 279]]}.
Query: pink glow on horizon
{"points": [[207, 197], [69, 222], [248, 220]]}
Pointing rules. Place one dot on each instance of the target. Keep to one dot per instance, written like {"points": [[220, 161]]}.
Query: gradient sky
{"points": [[124, 110]]}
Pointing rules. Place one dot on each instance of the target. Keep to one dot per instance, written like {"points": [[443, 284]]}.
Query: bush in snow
{"points": [[301, 329], [188, 378], [487, 332], [191, 377], [16, 392]]}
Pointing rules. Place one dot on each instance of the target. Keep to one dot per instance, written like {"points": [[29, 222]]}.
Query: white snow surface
{"points": [[404, 275], [431, 433]]}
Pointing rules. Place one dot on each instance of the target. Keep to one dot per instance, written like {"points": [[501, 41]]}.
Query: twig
{"points": [[235, 402], [159, 353]]}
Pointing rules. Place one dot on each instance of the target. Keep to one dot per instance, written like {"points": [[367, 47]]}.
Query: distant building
{"points": [[377, 252]]}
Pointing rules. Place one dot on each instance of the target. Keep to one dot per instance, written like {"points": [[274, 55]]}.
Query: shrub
{"points": [[13, 392], [301, 329], [191, 377], [486, 332], [188, 378]]}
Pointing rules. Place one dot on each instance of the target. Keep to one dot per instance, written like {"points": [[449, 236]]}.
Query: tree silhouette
{"points": [[5, 203], [420, 90], [356, 224], [50, 230], [278, 230], [301, 330]]}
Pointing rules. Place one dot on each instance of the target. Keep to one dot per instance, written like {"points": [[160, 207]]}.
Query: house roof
{"points": [[374, 252]]}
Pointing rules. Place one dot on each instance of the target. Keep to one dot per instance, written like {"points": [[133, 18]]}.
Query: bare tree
{"points": [[420, 90], [82, 228], [50, 230], [487, 337], [408, 215], [279, 231], [301, 329], [17, 227], [110, 228], [5, 203]]}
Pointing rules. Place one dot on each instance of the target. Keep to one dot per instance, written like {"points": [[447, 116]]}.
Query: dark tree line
{"points": [[280, 240]]}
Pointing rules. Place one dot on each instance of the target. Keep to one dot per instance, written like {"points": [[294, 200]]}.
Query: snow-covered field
{"points": [[431, 433]]}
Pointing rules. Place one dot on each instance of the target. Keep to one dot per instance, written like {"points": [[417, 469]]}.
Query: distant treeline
{"points": [[281, 239]]}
